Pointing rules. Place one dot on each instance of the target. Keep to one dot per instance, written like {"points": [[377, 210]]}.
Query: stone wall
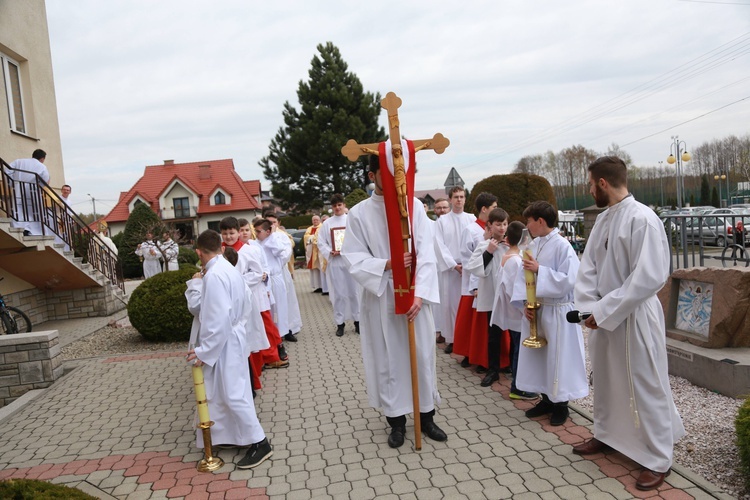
{"points": [[41, 306], [28, 361], [729, 324]]}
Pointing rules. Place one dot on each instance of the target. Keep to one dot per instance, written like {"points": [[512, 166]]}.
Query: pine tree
{"points": [[304, 163], [705, 191]]}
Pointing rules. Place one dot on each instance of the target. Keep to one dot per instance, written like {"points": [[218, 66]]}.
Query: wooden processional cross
{"points": [[352, 151]]}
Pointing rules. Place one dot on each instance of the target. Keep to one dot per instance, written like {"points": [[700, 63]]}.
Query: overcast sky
{"points": [[139, 82]]}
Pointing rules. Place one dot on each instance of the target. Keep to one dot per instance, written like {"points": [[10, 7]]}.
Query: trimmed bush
{"points": [[23, 489], [514, 192], [742, 429], [355, 197], [187, 256], [296, 221], [193, 267], [158, 308]]}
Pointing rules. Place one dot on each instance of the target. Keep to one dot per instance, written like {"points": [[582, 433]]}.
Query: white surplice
{"points": [[504, 315], [448, 231], [343, 290], [27, 197], [150, 253], [223, 346], [626, 262], [385, 341], [170, 251], [277, 252], [558, 369], [485, 274], [471, 236]]}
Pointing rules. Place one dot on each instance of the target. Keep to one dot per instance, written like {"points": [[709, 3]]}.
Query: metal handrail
{"points": [[38, 202]]}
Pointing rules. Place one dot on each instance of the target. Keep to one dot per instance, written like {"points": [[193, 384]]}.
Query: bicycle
{"points": [[13, 319], [738, 256]]}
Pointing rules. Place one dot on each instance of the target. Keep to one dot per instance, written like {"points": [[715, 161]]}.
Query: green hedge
{"points": [[158, 308], [32, 489], [296, 221], [187, 256], [742, 429]]}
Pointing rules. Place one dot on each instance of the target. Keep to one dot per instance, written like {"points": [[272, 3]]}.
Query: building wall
{"points": [[24, 37]]}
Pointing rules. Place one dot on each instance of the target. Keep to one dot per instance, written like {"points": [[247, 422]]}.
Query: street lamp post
{"points": [[93, 202], [678, 154], [661, 182], [720, 178]]}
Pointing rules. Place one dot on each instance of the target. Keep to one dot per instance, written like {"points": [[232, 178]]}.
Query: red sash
{"points": [[403, 291]]}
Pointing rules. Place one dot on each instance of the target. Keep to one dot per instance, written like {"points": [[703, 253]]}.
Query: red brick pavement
{"points": [[612, 464], [163, 472]]}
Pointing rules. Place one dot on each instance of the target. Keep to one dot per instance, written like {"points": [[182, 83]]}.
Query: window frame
{"points": [[5, 61], [220, 195], [181, 209]]}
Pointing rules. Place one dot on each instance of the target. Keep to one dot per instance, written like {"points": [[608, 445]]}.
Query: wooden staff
{"points": [[352, 150]]}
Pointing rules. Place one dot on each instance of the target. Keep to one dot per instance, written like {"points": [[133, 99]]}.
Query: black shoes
{"points": [[489, 379], [290, 337], [356, 327], [283, 356], [465, 362], [449, 348], [256, 455], [560, 414], [318, 290], [432, 431], [481, 369], [396, 438], [543, 407], [340, 330], [324, 293]]}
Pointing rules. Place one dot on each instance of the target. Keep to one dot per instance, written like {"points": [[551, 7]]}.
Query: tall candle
{"points": [[530, 280], [200, 395]]}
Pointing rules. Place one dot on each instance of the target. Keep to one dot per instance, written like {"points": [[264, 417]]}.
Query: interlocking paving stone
{"points": [[123, 424]]}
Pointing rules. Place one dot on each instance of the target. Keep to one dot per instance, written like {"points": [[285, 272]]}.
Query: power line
{"points": [[687, 121], [722, 54]]}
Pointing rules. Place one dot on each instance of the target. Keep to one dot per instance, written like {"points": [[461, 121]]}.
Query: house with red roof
{"points": [[190, 197]]}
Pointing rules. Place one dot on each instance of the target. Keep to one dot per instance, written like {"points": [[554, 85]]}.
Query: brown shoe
{"points": [[440, 339], [590, 447], [278, 364], [650, 480]]}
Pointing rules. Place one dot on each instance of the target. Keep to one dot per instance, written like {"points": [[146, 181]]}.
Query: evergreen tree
{"points": [[714, 197], [140, 221], [705, 191], [304, 164]]}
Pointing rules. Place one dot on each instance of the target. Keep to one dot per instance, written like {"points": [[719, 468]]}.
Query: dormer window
{"points": [[220, 199]]}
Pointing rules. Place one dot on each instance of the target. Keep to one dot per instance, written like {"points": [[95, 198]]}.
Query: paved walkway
{"points": [[121, 427]]}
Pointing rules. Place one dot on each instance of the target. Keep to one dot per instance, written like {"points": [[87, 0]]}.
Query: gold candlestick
{"points": [[532, 305], [209, 463]]}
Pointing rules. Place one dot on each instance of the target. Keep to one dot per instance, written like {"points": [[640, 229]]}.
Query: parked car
{"points": [[299, 244], [718, 230]]}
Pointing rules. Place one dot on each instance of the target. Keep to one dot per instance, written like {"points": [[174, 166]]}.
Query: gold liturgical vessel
{"points": [[534, 341], [209, 463]]}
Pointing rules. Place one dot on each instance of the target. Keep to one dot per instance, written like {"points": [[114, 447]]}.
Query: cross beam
{"points": [[352, 150]]}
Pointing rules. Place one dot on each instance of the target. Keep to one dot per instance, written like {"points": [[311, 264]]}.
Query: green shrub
{"points": [[742, 429], [117, 240], [158, 308], [296, 221], [355, 197], [187, 256], [514, 192], [32, 489], [192, 267]]}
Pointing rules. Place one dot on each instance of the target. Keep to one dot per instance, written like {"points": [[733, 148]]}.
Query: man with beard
{"points": [[626, 262]]}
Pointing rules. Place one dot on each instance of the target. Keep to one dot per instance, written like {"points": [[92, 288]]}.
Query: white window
{"points": [[14, 91]]}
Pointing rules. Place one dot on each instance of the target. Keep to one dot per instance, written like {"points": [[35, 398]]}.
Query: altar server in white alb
{"points": [[294, 317], [341, 285], [150, 254], [222, 348], [385, 339], [626, 262], [277, 253], [558, 370], [449, 229], [169, 251]]}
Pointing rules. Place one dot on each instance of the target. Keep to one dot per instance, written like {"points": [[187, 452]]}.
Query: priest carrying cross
{"points": [[397, 271]]}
